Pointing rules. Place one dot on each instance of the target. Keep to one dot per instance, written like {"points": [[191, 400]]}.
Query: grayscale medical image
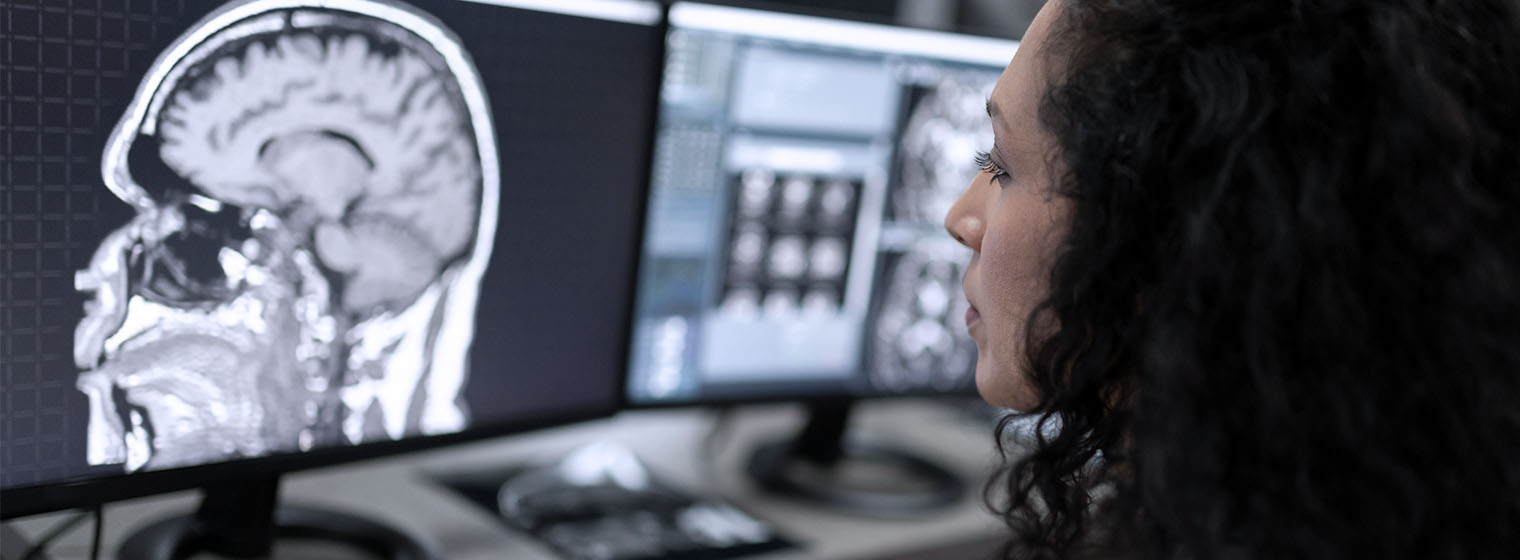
{"points": [[789, 249], [305, 273], [946, 126], [919, 341]]}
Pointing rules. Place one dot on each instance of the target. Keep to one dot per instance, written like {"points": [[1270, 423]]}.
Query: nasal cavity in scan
{"points": [[184, 270]]}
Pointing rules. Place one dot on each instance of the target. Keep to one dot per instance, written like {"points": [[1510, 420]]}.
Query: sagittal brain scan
{"points": [[305, 272]]}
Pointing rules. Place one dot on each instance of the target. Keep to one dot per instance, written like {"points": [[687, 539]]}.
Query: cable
{"points": [[99, 522], [58, 530]]}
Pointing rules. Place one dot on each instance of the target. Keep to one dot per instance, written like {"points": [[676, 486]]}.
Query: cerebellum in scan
{"points": [[303, 266]]}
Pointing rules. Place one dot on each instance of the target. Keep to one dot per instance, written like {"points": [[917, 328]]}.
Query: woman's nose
{"points": [[964, 222]]}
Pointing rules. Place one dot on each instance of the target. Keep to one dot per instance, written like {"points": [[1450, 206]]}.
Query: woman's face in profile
{"points": [[1012, 221]]}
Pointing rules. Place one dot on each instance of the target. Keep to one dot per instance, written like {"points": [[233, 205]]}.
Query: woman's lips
{"points": [[972, 316]]}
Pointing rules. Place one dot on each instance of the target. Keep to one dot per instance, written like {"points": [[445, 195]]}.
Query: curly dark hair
{"points": [[1287, 304]]}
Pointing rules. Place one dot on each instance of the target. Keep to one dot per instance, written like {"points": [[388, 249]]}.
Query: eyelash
{"points": [[984, 163]]}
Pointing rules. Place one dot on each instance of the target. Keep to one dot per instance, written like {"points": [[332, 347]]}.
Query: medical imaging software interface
{"points": [[234, 230], [794, 243]]}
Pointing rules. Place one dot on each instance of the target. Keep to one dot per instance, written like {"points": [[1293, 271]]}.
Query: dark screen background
{"points": [[572, 101]]}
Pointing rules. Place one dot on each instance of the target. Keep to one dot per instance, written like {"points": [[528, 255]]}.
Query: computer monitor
{"points": [[242, 238], [794, 245]]}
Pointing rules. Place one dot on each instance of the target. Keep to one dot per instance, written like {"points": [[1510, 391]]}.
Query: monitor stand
{"points": [[15, 546], [243, 520], [871, 480]]}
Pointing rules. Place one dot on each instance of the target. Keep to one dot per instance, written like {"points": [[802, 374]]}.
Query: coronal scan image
{"points": [[946, 126], [918, 342], [315, 186]]}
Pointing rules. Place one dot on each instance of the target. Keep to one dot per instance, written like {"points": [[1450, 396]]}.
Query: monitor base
{"points": [[861, 479], [244, 522], [14, 545]]}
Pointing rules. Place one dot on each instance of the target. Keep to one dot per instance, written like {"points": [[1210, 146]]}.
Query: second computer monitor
{"points": [[794, 244]]}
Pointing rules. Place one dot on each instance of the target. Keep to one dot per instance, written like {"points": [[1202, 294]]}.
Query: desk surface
{"points": [[399, 491]]}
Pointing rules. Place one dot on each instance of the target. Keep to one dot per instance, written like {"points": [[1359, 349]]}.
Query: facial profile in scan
{"points": [[305, 272]]}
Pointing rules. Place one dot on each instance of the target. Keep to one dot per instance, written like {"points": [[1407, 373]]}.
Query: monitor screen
{"points": [[265, 229], [794, 244]]}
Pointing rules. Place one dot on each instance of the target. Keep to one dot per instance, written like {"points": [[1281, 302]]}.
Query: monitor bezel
{"points": [[22, 501]]}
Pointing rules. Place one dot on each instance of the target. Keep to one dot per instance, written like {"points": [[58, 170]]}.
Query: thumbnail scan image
{"points": [[789, 250], [305, 272]]}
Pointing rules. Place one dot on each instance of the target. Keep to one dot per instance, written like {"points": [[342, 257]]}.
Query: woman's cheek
{"points": [[1018, 251]]}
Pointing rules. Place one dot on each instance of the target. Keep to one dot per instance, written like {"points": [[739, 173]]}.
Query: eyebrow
{"points": [[992, 110]]}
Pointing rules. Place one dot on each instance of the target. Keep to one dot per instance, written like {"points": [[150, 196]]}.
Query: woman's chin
{"points": [[1004, 387]]}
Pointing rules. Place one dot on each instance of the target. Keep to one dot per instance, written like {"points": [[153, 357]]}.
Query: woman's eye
{"points": [[984, 163]]}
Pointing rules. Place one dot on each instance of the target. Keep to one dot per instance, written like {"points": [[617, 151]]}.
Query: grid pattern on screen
{"points": [[69, 69]]}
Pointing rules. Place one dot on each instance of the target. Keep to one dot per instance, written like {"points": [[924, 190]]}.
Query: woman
{"points": [[1251, 266]]}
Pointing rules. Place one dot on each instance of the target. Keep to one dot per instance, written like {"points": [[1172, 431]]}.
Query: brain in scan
{"points": [[305, 274], [918, 341], [946, 126]]}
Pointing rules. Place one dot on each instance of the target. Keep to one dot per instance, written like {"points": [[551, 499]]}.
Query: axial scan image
{"points": [[305, 272], [918, 342], [945, 128]]}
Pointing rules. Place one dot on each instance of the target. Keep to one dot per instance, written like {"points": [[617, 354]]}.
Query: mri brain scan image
{"points": [[946, 126], [919, 341], [789, 247], [315, 186]]}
